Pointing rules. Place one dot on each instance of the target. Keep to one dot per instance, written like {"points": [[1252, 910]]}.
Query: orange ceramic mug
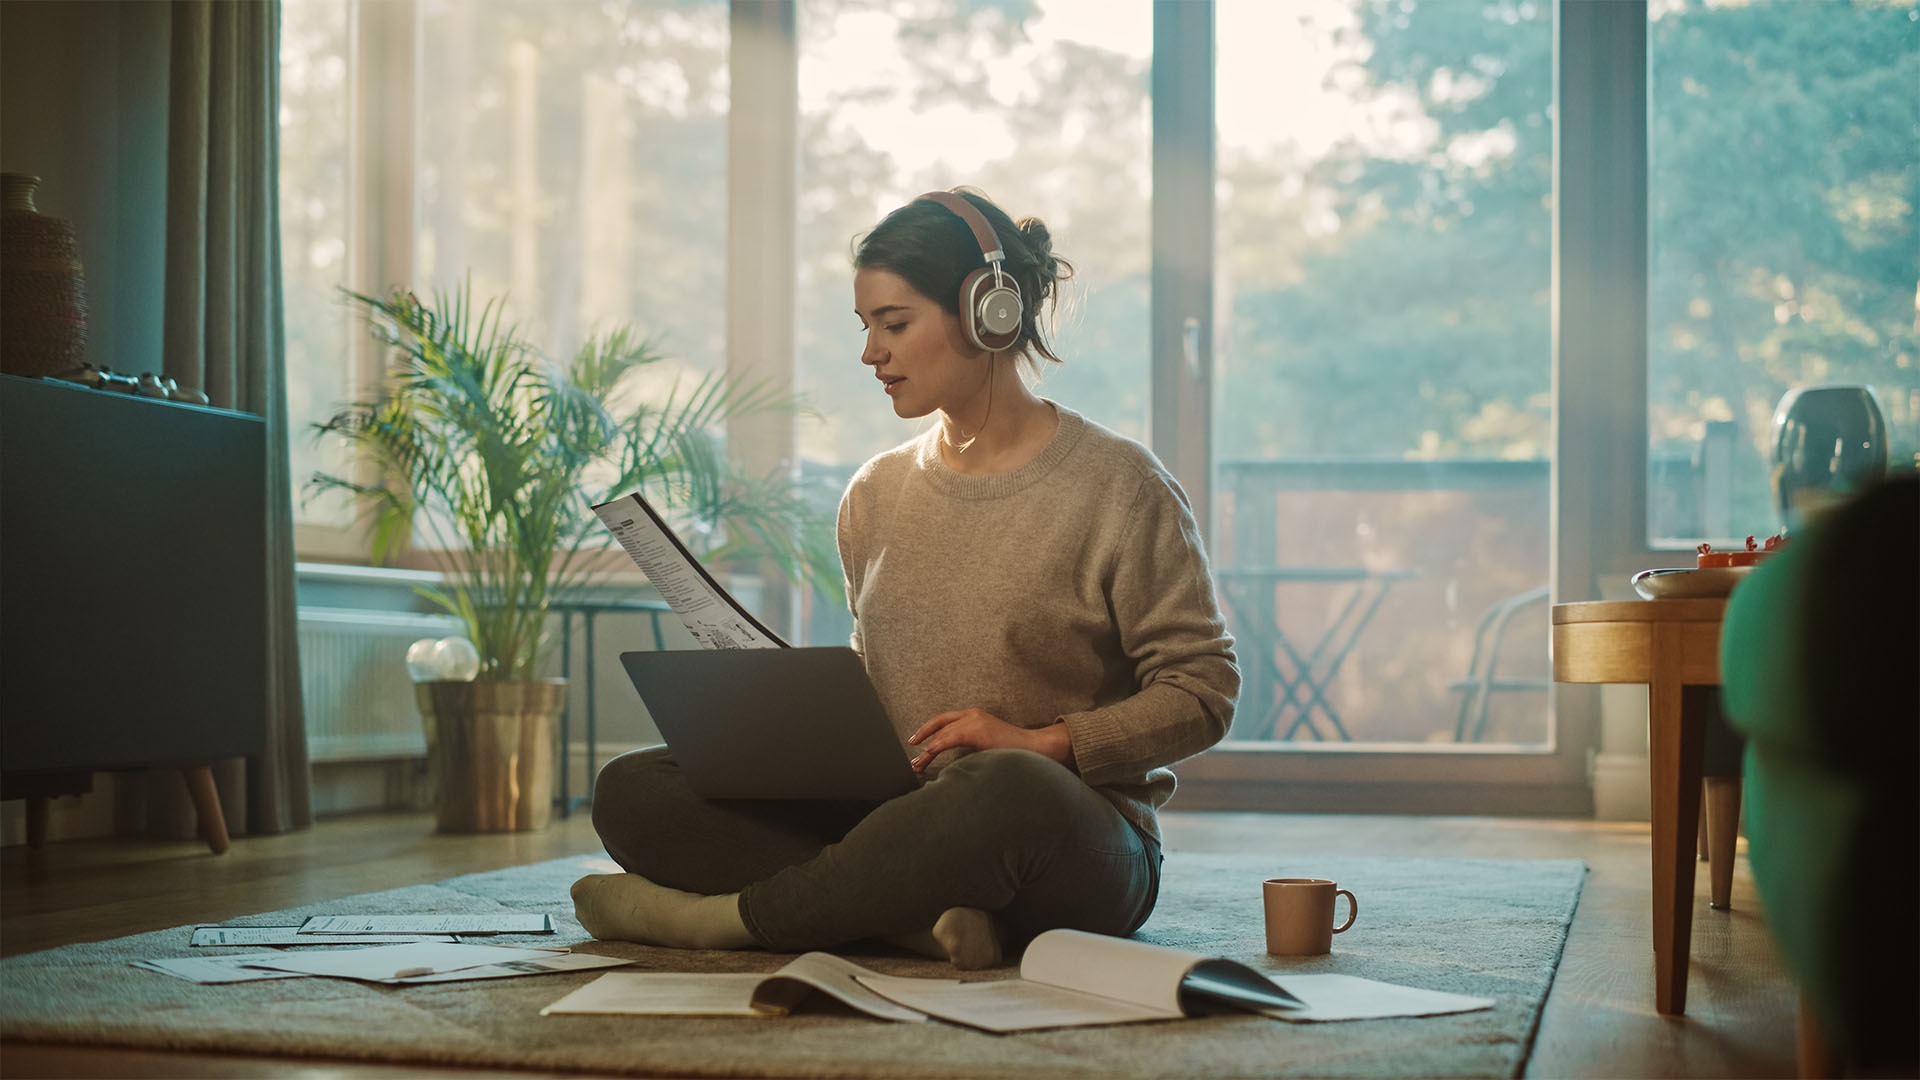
{"points": [[1300, 915]]}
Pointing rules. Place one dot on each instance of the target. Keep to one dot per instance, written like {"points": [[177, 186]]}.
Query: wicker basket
{"points": [[43, 290]]}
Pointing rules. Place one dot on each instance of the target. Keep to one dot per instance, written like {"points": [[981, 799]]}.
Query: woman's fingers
{"points": [[935, 724], [972, 728]]}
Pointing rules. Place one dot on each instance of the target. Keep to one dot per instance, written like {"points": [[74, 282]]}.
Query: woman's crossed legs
{"points": [[1006, 833]]}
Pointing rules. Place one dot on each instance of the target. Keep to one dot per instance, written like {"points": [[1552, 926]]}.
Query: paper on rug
{"points": [[1485, 928]]}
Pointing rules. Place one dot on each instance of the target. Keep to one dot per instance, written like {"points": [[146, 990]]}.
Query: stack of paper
{"points": [[406, 949]]}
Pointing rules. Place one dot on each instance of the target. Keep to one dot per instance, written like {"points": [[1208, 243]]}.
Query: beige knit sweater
{"points": [[1074, 588]]}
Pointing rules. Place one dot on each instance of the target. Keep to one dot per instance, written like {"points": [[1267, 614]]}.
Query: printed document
{"points": [[711, 614], [397, 963], [216, 969], [229, 936], [512, 922]]}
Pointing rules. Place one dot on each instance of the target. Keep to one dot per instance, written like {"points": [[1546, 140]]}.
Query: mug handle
{"points": [[1353, 910]]}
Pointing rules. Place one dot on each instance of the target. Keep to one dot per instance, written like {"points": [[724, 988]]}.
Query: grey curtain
{"points": [[225, 333]]}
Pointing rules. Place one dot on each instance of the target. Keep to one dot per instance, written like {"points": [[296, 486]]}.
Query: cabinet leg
{"points": [[206, 803]]}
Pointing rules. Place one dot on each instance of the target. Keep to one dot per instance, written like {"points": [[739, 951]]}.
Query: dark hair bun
{"points": [[1049, 269]]}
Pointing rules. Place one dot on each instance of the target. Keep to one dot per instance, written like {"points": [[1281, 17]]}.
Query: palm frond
{"points": [[485, 449]]}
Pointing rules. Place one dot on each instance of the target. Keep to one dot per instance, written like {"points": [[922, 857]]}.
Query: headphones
{"points": [[990, 308]]}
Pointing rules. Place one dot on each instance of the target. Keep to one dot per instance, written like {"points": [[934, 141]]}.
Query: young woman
{"points": [[1032, 601]]}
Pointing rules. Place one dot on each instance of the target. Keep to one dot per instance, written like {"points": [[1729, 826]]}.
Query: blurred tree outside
{"points": [[1394, 303]]}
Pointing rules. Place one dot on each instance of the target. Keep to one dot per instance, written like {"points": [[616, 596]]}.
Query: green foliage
{"points": [[497, 453]]}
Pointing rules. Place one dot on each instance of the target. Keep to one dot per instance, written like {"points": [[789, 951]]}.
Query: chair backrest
{"points": [[1481, 682]]}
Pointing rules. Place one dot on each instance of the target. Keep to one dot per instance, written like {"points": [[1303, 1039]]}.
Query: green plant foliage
{"points": [[489, 455]]}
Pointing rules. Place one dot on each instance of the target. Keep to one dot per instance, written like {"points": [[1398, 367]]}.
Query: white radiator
{"points": [[353, 681]]}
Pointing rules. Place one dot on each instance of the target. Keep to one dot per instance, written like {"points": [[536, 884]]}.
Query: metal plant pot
{"points": [[490, 752]]}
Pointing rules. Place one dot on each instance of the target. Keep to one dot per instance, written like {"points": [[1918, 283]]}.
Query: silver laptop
{"points": [[773, 723]]}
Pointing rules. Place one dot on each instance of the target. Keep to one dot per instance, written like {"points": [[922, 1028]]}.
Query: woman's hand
{"points": [[982, 730]]}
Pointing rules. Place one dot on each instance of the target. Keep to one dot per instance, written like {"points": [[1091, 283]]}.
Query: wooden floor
{"points": [[1598, 1022]]}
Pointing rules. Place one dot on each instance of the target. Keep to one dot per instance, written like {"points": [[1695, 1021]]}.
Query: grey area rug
{"points": [[1488, 927]]}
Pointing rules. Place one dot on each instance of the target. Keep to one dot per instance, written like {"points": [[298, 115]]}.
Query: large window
{"points": [[1784, 181], [1395, 316], [1382, 373]]}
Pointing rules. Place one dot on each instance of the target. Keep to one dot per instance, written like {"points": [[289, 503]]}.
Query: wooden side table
{"points": [[1668, 645]]}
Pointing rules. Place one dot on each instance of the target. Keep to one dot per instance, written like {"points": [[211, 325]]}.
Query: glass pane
{"points": [[572, 157], [1044, 107], [315, 61], [1382, 425], [1783, 183]]}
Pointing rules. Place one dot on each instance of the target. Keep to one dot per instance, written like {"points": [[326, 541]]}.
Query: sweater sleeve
{"points": [[1171, 632]]}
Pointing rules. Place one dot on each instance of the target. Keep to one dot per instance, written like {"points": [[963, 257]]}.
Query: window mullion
{"points": [[762, 240], [1182, 276], [381, 170]]}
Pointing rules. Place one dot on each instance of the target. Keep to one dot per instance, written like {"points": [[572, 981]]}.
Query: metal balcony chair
{"points": [[1482, 680]]}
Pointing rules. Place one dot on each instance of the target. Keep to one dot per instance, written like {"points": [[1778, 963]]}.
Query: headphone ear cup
{"points": [[990, 310]]}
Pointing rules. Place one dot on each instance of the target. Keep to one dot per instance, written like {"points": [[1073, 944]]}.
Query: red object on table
{"points": [[1705, 557]]}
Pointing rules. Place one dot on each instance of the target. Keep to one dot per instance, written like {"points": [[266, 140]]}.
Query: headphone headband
{"points": [[983, 233]]}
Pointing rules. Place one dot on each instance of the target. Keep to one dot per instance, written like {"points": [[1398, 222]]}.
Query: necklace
{"points": [[961, 446]]}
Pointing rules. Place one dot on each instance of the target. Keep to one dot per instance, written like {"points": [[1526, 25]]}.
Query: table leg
{"points": [[566, 712], [1339, 637], [593, 734], [1246, 619], [1351, 635], [1268, 691], [1677, 746], [1288, 698], [1706, 852], [1723, 826]]}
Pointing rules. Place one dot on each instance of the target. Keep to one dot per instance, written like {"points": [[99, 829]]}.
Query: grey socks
{"points": [[965, 937], [628, 907]]}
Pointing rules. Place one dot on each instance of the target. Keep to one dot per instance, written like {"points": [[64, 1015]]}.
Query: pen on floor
{"points": [[408, 973]]}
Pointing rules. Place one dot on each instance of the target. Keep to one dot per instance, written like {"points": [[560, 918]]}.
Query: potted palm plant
{"points": [[492, 455]]}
